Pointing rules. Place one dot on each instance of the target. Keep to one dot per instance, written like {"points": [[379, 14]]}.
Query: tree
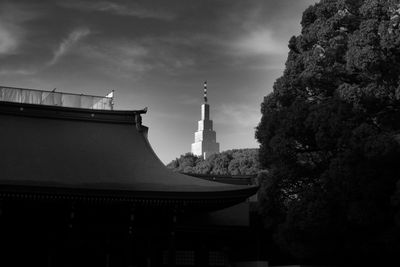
{"points": [[329, 135], [185, 163], [230, 162]]}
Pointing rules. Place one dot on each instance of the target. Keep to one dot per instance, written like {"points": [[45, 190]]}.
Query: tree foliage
{"points": [[329, 135], [230, 162]]}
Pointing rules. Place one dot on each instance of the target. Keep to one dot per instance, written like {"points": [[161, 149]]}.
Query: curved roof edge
{"points": [[181, 201], [132, 171]]}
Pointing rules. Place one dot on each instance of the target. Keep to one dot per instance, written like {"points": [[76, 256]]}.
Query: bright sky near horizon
{"points": [[155, 54]]}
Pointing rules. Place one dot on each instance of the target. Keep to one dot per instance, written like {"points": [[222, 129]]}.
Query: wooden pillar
{"points": [[149, 251], [132, 231], [107, 259], [70, 240], [108, 249], [50, 249], [171, 250], [201, 255], [172, 240]]}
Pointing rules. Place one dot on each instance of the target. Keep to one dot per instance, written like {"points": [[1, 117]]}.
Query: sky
{"points": [[155, 54]]}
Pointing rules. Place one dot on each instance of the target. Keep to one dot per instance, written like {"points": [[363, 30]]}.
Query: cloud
{"points": [[187, 100], [17, 72], [12, 30], [237, 115], [8, 40], [260, 42], [122, 9], [135, 58], [123, 58], [19, 12], [64, 47], [10, 72]]}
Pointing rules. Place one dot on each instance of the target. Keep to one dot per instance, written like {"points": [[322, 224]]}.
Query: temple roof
{"points": [[67, 151]]}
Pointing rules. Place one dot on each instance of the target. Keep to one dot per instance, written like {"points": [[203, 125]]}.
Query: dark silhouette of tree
{"points": [[185, 163], [230, 162], [329, 136]]}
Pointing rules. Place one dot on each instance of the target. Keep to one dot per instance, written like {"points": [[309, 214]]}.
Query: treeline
{"points": [[230, 162]]}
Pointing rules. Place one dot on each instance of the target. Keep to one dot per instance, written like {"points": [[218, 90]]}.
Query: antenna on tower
{"points": [[205, 92]]}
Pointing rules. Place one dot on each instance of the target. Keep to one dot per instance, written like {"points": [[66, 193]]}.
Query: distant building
{"points": [[205, 142]]}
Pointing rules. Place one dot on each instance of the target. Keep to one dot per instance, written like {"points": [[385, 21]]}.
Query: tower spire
{"points": [[205, 142], [205, 92]]}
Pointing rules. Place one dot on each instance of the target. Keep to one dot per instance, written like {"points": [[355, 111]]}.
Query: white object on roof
{"points": [[53, 98]]}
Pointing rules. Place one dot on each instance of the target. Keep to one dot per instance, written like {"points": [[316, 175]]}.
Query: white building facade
{"points": [[205, 143]]}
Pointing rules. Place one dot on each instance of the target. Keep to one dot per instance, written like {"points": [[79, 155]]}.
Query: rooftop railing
{"points": [[53, 98]]}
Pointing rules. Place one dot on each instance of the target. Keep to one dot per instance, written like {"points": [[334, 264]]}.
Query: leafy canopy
{"points": [[330, 134], [230, 162]]}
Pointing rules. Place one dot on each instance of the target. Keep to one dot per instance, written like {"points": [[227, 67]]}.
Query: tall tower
{"points": [[205, 138]]}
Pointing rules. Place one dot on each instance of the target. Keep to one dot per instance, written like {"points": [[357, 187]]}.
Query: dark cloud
{"points": [[156, 54], [121, 8]]}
